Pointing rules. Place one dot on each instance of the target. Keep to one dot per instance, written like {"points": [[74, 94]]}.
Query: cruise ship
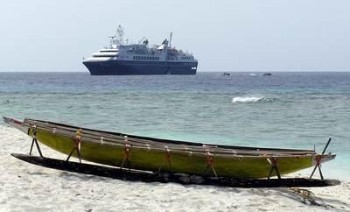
{"points": [[121, 58]]}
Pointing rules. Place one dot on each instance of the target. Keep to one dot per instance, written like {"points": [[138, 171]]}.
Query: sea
{"points": [[299, 110]]}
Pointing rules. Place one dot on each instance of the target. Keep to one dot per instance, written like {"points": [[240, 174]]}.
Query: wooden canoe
{"points": [[161, 155]]}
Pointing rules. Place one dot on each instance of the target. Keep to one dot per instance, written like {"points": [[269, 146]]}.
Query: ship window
{"points": [[104, 56]]}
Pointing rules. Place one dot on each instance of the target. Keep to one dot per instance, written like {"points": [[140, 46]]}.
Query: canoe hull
{"points": [[155, 160], [175, 161]]}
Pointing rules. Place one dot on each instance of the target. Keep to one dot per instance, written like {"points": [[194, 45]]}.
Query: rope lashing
{"points": [[126, 156], [32, 131], [210, 159], [127, 152], [76, 145], [273, 163], [148, 147], [318, 165], [126, 149], [77, 140], [319, 160], [167, 159], [210, 163], [188, 151]]}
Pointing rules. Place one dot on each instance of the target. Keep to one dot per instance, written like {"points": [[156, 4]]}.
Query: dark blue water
{"points": [[283, 110]]}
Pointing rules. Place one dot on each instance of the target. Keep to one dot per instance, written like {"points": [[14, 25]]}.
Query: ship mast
{"points": [[111, 41], [120, 35], [170, 39]]}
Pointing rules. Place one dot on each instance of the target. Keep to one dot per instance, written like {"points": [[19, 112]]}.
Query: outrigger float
{"points": [[168, 160]]}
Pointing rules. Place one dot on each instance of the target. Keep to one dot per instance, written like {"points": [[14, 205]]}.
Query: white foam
{"points": [[246, 99]]}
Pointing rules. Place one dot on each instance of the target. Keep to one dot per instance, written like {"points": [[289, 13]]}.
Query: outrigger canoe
{"points": [[170, 156]]}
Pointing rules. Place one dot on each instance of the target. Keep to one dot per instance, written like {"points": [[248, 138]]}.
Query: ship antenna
{"points": [[142, 39], [111, 41], [170, 39], [120, 35]]}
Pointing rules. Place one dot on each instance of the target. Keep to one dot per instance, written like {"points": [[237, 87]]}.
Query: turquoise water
{"points": [[297, 110]]}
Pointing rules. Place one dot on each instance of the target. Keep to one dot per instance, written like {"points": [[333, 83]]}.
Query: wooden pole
{"points": [[318, 160]]}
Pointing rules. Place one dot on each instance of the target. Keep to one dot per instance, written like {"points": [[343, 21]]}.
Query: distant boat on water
{"points": [[267, 74], [122, 58]]}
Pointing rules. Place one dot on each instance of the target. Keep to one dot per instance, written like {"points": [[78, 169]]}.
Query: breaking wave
{"points": [[250, 99]]}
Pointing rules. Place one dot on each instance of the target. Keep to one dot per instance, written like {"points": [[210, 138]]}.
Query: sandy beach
{"points": [[26, 187]]}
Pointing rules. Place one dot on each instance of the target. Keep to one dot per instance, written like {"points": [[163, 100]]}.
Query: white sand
{"points": [[26, 187]]}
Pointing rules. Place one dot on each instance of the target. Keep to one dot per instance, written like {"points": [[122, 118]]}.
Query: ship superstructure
{"points": [[122, 58]]}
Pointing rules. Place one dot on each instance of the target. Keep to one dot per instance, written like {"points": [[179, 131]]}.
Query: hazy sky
{"points": [[232, 35]]}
